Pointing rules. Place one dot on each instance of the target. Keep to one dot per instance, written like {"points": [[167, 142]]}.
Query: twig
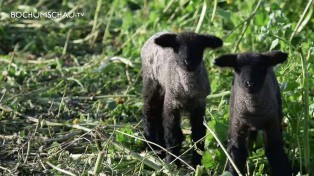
{"points": [[67, 144], [89, 36], [8, 109], [7, 137], [3, 95], [193, 146], [33, 119], [96, 15], [62, 101], [214, 11], [97, 97], [59, 169], [134, 155], [65, 47], [168, 6], [176, 157], [108, 22], [149, 162], [12, 56], [5, 169], [223, 148], [98, 163], [64, 138], [41, 163], [77, 81], [199, 170], [247, 21], [306, 20], [138, 31], [127, 151], [239, 25], [131, 85], [57, 20], [128, 74], [301, 19], [221, 94], [173, 15], [28, 150], [77, 156], [306, 120], [201, 19], [49, 123], [138, 157]]}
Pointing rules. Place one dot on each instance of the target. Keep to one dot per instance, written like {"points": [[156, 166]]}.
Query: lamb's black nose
{"points": [[249, 84]]}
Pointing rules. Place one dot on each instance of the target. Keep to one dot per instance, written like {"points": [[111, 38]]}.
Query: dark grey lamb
{"points": [[175, 79], [255, 104]]}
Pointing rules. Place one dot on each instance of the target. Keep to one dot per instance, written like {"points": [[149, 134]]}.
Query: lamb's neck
{"points": [[258, 103], [194, 83]]}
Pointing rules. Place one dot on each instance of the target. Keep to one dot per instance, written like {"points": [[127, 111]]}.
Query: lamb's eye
{"points": [[186, 62]]}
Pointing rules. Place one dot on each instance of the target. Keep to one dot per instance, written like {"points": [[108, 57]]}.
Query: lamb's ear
{"points": [[210, 41], [167, 40], [227, 60], [276, 57]]}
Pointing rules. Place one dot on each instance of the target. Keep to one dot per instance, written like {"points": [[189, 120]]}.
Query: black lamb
{"points": [[175, 79], [255, 104]]}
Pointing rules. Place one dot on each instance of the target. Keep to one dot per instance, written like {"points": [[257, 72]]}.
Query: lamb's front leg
{"points": [[152, 113], [173, 134], [198, 131], [278, 160], [237, 145]]}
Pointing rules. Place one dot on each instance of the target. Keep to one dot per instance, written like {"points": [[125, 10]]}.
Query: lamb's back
{"points": [[156, 60]]}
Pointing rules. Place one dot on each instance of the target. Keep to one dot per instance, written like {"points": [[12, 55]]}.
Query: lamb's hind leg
{"points": [[152, 113], [275, 153], [198, 131]]}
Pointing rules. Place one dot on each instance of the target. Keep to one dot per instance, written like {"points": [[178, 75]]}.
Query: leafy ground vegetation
{"points": [[70, 95]]}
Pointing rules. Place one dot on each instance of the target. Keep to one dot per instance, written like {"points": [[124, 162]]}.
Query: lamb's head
{"points": [[188, 47], [250, 68]]}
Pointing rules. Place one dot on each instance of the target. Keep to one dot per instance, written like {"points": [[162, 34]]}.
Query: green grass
{"points": [[70, 96]]}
